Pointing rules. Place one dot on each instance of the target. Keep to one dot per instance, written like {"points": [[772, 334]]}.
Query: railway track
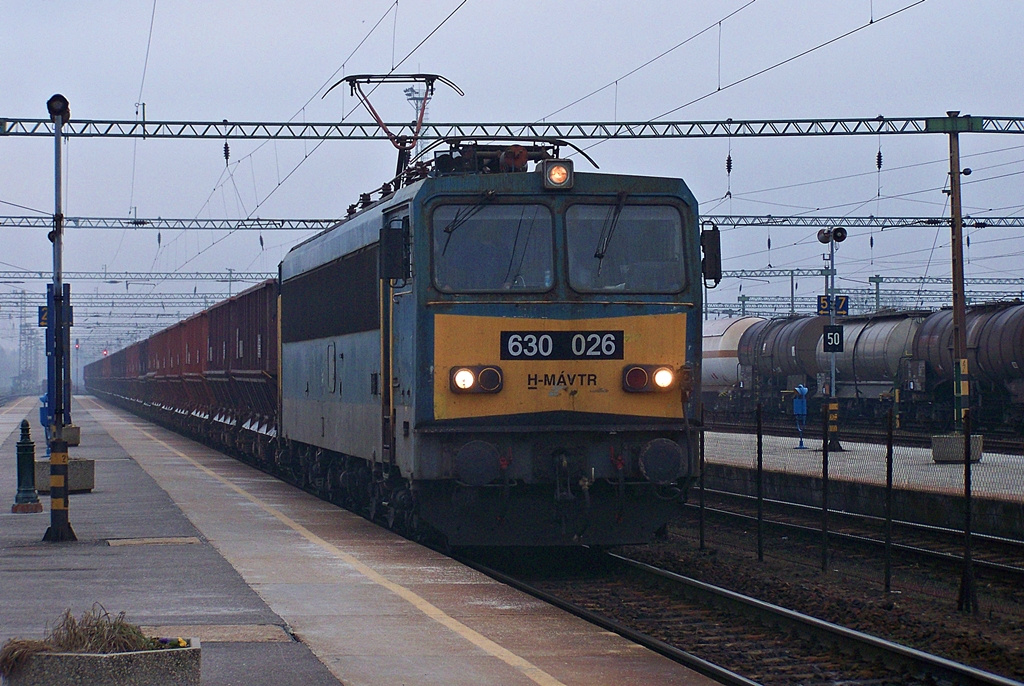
{"points": [[727, 636], [1002, 559]]}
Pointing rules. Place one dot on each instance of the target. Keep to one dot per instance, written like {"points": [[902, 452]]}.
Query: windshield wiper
{"points": [[522, 254], [459, 219], [609, 228]]}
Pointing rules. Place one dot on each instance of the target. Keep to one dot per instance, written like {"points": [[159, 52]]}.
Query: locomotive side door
{"points": [[397, 305]]}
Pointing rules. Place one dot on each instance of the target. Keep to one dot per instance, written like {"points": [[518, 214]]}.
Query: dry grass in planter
{"points": [[96, 632]]}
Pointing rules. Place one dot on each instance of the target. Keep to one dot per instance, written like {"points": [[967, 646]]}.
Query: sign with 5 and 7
{"points": [[842, 304]]}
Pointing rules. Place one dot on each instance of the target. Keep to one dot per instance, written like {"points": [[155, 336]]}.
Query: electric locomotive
{"points": [[501, 351], [509, 357]]}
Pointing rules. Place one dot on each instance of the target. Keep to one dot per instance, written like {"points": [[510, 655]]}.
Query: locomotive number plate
{"points": [[561, 345]]}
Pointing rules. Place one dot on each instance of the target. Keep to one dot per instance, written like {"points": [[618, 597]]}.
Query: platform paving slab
{"points": [[160, 569]]}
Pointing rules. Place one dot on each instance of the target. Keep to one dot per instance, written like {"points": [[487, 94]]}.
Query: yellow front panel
{"points": [[543, 385]]}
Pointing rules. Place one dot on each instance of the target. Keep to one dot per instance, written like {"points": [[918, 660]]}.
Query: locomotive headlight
{"points": [[464, 379], [476, 379], [663, 377], [648, 378], [557, 174]]}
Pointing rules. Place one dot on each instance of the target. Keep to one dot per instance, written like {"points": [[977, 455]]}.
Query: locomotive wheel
{"points": [[376, 501], [334, 491]]}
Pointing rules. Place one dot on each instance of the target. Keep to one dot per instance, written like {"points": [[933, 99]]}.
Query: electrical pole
{"points": [[60, 524], [961, 378]]}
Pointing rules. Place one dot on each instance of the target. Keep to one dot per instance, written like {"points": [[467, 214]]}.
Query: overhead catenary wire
{"points": [[23, 207], [319, 143], [139, 102], [631, 72], [890, 170], [792, 58]]}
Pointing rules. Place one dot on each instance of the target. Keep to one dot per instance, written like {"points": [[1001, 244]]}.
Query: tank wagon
{"points": [[900, 360], [497, 354]]}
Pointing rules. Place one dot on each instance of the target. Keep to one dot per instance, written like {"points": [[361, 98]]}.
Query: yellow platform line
{"points": [[528, 669], [16, 405]]}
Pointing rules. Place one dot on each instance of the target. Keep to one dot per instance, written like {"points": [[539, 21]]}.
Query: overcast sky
{"points": [[516, 61]]}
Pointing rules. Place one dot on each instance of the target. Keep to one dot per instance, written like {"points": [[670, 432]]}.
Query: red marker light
{"points": [[636, 378]]}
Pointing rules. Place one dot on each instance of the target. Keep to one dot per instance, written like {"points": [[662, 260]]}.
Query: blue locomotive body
{"points": [[502, 278], [497, 356]]}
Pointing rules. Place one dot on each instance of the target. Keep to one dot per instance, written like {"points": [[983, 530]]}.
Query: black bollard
{"points": [[26, 500]]}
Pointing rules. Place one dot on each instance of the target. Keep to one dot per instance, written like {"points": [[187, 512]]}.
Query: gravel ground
{"points": [[921, 612]]}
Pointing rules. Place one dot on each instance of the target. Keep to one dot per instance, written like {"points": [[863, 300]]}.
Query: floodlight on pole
{"points": [[58, 106]]}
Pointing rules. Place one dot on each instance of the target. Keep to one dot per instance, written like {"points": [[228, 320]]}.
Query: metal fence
{"points": [[895, 481]]}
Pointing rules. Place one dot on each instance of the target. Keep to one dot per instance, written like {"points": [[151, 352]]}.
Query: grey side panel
{"points": [[343, 416]]}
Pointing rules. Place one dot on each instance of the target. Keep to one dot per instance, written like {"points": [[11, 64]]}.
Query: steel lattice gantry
{"points": [[138, 277], [564, 130], [46, 222], [121, 299], [853, 222], [776, 273]]}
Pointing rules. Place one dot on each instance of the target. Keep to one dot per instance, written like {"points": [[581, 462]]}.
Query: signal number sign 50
{"points": [[832, 338]]}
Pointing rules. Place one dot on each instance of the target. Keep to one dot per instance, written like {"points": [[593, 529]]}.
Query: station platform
{"points": [[925, 491], [280, 587], [997, 476]]}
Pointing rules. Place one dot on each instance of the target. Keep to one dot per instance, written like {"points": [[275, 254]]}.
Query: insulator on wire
{"points": [[769, 242], [158, 239], [728, 164], [227, 153], [878, 160], [872, 241], [968, 240]]}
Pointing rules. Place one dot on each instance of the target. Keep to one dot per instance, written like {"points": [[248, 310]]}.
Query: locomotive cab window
{"points": [[492, 248], [625, 248]]}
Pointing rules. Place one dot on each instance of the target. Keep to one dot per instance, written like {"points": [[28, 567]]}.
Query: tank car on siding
{"points": [[995, 359], [776, 355], [510, 358], [721, 380], [899, 360]]}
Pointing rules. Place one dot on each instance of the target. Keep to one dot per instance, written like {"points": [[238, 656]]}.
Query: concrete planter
{"points": [[171, 667], [949, 448], [81, 475]]}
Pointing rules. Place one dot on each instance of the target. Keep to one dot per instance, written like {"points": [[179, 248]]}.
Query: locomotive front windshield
{"points": [[625, 248], [489, 248]]}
